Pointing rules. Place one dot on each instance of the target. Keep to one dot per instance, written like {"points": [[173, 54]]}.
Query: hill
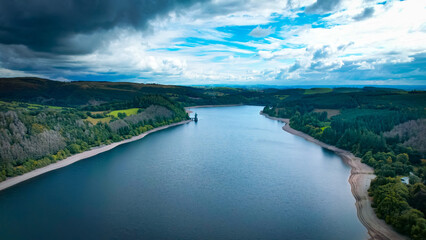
{"points": [[72, 94], [386, 128]]}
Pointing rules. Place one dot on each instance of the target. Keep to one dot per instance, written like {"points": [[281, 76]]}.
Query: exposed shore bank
{"points": [[79, 156], [360, 178]]}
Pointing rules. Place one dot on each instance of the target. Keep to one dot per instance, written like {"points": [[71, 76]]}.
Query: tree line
{"points": [[386, 129], [33, 138]]}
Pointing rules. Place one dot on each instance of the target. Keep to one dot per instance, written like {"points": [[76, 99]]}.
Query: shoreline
{"points": [[211, 106], [79, 156], [360, 178]]}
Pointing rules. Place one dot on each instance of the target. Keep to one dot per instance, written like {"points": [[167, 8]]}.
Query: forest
{"points": [[33, 135], [79, 93], [43, 121], [384, 127]]}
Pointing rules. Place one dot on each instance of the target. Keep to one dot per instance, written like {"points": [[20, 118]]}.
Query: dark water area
{"points": [[233, 175]]}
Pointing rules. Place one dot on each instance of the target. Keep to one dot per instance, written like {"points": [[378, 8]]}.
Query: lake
{"points": [[233, 175]]}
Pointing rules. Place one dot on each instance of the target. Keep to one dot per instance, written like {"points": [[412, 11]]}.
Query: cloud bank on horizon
{"points": [[275, 42]]}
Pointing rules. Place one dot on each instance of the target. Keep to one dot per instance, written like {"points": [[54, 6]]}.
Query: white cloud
{"points": [[195, 46], [266, 54], [261, 32], [390, 36], [365, 65]]}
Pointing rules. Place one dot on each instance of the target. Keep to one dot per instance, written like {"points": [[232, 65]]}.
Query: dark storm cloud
{"points": [[19, 57], [72, 26], [367, 13], [323, 6]]}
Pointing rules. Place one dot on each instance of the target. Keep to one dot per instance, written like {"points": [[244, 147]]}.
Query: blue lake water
{"points": [[233, 175]]}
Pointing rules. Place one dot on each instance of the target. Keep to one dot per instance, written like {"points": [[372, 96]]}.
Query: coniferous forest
{"points": [[385, 127], [34, 135]]}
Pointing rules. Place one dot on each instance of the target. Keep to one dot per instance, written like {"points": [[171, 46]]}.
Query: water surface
{"points": [[233, 175]]}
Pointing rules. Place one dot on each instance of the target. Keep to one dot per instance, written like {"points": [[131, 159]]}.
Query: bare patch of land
{"points": [[330, 112]]}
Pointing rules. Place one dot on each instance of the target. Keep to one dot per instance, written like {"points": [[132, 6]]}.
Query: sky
{"points": [[188, 42]]}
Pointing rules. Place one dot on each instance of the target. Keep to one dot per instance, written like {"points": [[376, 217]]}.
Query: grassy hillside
{"points": [[128, 112], [80, 93], [73, 94]]}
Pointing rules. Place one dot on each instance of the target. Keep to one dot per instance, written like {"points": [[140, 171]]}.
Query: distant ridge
{"points": [[265, 86], [83, 93], [77, 92]]}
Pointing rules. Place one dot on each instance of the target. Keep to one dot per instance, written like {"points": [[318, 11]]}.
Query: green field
{"points": [[281, 97], [94, 121], [318, 90], [128, 112], [20, 105]]}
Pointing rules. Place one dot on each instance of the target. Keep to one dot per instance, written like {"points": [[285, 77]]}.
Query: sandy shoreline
{"points": [[77, 157], [361, 175], [360, 178], [90, 153]]}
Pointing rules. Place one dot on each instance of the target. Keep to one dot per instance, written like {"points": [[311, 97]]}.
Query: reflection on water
{"points": [[233, 175]]}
